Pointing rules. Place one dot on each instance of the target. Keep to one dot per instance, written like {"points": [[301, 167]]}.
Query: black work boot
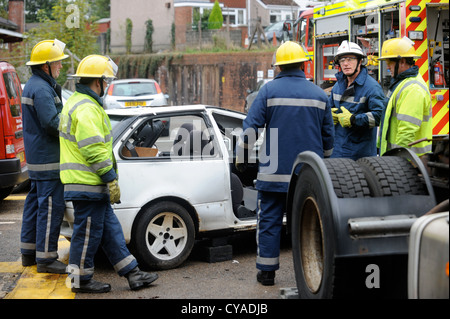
{"points": [[55, 267], [266, 278], [28, 260], [138, 279], [91, 286]]}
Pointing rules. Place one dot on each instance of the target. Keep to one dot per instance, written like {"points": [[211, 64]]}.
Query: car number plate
{"points": [[135, 103]]}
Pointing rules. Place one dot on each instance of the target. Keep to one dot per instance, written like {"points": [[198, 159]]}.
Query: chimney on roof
{"points": [[16, 14]]}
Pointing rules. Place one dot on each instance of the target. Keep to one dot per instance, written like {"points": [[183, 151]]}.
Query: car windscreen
{"points": [[134, 89], [13, 91], [274, 27]]}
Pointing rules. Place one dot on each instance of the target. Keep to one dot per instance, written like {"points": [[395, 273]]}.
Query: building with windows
{"points": [[174, 20], [161, 12]]}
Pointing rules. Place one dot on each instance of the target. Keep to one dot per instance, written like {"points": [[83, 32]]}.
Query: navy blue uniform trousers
{"points": [[271, 208], [96, 224], [43, 213]]}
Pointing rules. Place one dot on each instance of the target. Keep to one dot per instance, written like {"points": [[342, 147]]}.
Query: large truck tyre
{"points": [[346, 215], [391, 176], [313, 245]]}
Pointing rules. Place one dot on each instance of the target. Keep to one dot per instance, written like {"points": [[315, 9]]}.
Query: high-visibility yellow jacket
{"points": [[87, 162], [408, 117]]}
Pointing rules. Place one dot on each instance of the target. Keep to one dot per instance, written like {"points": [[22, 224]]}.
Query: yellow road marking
{"points": [[16, 197], [14, 267], [34, 285]]}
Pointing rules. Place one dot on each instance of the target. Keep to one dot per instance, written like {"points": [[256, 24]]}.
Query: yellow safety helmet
{"points": [[97, 66], [398, 48], [291, 52], [47, 51]]}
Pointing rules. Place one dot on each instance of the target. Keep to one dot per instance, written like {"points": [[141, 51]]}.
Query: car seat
{"points": [[148, 135], [237, 195], [198, 144], [145, 136], [181, 137]]}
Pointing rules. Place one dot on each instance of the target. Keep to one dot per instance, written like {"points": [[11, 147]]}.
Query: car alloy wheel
{"points": [[164, 235]]}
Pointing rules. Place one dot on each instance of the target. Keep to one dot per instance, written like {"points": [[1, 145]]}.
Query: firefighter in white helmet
{"points": [[357, 102]]}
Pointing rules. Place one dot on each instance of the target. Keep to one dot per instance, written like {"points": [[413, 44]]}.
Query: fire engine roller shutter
{"points": [[440, 108]]}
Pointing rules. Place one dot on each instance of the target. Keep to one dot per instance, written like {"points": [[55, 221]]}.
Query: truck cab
{"points": [[369, 23], [13, 168]]}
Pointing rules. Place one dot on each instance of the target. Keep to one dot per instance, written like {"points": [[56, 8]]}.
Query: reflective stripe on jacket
{"points": [[408, 117], [41, 107], [364, 99], [87, 161], [296, 118]]}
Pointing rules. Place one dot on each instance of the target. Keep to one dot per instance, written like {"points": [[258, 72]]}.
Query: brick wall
{"points": [[183, 18], [216, 79], [16, 13]]}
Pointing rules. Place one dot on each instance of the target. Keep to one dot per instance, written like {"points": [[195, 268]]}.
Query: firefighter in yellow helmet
{"points": [[44, 206], [88, 172], [296, 118], [407, 117]]}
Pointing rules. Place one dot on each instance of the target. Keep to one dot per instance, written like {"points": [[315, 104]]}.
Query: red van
{"points": [[13, 168]]}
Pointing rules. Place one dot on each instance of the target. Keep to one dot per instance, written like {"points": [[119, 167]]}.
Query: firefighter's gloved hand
{"points": [[335, 115], [345, 117], [240, 165], [114, 191]]}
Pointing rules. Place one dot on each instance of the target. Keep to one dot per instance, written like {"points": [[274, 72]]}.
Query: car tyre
{"points": [[5, 192], [164, 236]]}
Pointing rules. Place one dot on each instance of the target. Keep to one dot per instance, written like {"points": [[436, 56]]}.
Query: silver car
{"points": [[134, 93], [177, 180]]}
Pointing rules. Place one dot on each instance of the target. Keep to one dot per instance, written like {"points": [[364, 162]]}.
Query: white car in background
{"points": [[134, 93], [177, 179]]}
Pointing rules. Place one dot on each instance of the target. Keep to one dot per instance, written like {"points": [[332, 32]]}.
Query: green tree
{"points": [[129, 30], [202, 18], [173, 36], [148, 45], [36, 10], [215, 20], [100, 9], [4, 9], [69, 24]]}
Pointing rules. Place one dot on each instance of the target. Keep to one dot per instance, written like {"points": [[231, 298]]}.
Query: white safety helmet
{"points": [[348, 47]]}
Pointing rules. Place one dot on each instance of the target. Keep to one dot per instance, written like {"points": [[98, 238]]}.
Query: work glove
{"points": [[345, 117], [335, 115], [114, 191]]}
